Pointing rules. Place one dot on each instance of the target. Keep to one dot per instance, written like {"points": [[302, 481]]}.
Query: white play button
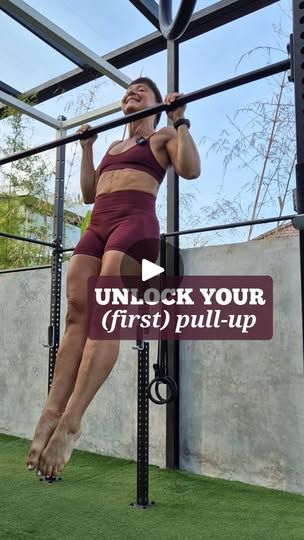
{"points": [[149, 270]]}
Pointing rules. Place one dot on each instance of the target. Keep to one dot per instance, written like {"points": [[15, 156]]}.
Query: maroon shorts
{"points": [[125, 221]]}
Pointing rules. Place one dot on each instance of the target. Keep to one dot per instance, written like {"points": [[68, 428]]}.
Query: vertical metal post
{"points": [[172, 269], [56, 263], [297, 75], [142, 498]]}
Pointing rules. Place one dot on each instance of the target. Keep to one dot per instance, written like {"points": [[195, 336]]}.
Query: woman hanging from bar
{"points": [[123, 189]]}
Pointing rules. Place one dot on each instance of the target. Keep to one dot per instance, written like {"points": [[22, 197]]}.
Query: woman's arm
{"points": [[183, 152], [180, 145], [87, 175], [87, 171]]}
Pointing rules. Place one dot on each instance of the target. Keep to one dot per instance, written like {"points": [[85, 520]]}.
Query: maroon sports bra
{"points": [[139, 157]]}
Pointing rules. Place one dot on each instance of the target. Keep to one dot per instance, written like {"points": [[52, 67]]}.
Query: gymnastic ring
{"points": [[172, 30], [170, 383], [161, 400]]}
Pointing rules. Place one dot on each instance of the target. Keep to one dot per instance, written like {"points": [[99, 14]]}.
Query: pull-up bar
{"points": [[246, 78]]}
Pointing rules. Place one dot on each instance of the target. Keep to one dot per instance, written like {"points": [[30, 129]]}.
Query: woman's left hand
{"points": [[179, 111]]}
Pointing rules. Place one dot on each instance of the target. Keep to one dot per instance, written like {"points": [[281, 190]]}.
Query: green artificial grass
{"points": [[92, 502]]}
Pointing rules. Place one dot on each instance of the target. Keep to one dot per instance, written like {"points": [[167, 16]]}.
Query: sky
{"points": [[212, 57]]}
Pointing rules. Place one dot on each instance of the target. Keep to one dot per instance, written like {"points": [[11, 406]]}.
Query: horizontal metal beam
{"points": [[92, 115], [187, 231], [225, 226], [187, 98], [29, 110], [203, 21], [24, 239], [26, 269], [231, 225], [9, 89], [220, 14], [60, 40], [150, 10]]}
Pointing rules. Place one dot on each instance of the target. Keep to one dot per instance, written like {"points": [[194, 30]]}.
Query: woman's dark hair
{"points": [[155, 90]]}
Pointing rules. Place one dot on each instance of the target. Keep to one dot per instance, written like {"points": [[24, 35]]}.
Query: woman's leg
{"points": [[99, 358], [69, 355]]}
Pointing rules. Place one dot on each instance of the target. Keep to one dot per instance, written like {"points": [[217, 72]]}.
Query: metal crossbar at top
{"points": [[203, 21], [28, 110], [60, 40]]}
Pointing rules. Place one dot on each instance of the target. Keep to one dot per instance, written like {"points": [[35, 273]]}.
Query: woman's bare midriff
{"points": [[122, 179], [126, 179]]}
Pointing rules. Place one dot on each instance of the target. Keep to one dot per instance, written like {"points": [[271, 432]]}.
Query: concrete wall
{"points": [[109, 425], [242, 402]]}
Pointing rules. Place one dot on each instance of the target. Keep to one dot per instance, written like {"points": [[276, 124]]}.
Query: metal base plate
{"points": [[142, 506]]}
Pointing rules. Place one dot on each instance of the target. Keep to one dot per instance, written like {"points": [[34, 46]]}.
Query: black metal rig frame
{"points": [[214, 16]]}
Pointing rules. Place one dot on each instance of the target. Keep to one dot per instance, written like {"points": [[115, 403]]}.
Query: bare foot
{"points": [[59, 449], [45, 428]]}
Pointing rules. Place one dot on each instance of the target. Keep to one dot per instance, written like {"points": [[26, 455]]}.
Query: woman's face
{"points": [[137, 97]]}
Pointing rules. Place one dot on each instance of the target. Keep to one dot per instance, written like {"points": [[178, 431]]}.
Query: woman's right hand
{"points": [[90, 140]]}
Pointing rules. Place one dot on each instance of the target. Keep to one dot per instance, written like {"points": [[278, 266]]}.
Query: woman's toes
{"points": [[32, 460], [41, 467], [49, 471]]}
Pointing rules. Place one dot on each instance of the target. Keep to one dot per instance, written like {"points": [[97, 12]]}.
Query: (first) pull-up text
{"points": [[196, 307]]}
